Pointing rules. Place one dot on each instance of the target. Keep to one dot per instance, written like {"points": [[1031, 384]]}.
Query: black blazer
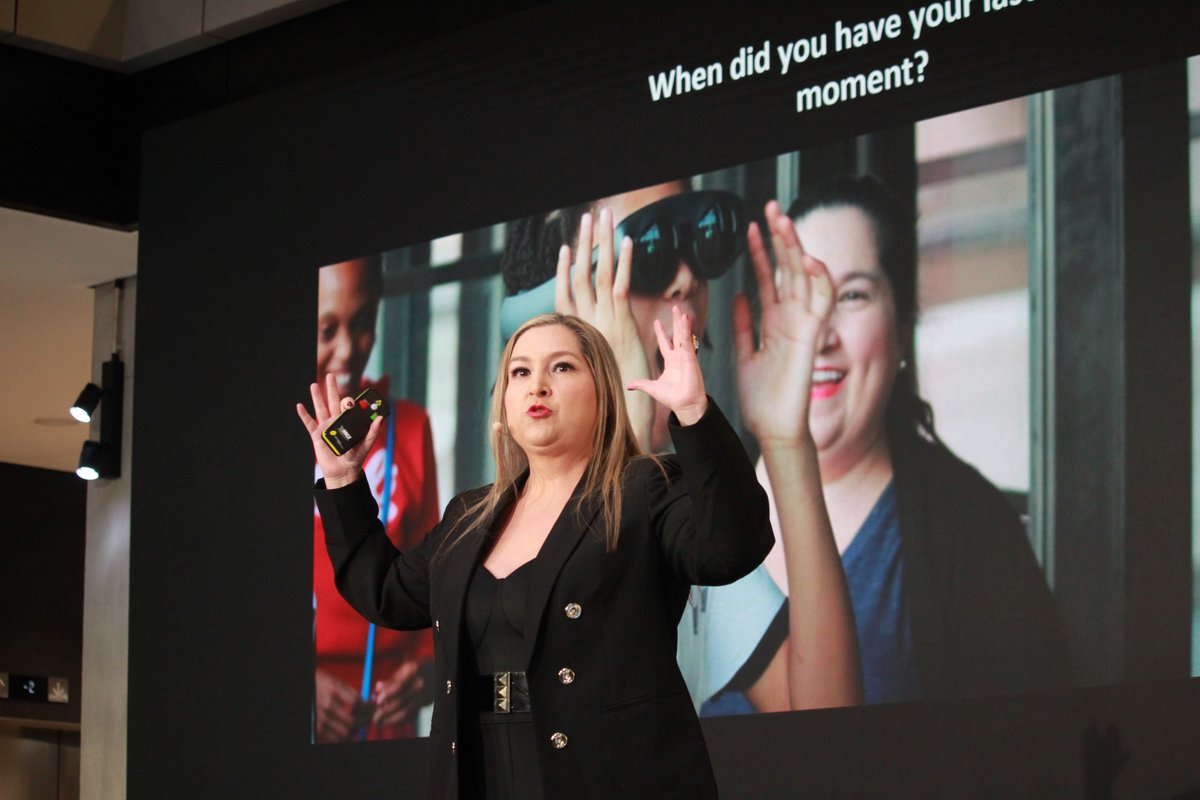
{"points": [[984, 621], [624, 726]]}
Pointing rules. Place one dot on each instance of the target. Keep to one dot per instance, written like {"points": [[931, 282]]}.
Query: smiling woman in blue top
{"points": [[948, 597]]}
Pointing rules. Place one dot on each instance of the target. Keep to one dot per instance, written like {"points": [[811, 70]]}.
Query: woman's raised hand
{"points": [[774, 383], [774, 380], [338, 470], [680, 387], [606, 306]]}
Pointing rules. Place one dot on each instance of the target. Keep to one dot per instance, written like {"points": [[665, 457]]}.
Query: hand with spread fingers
{"points": [[680, 387], [774, 384], [775, 379], [604, 302], [327, 405]]}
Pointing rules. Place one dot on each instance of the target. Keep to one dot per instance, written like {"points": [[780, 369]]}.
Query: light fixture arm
{"points": [[112, 381]]}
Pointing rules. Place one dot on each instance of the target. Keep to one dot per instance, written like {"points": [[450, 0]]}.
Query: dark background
{"points": [[384, 139], [41, 584]]}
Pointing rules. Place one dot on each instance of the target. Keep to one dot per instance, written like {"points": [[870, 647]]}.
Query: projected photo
{"points": [[370, 683], [925, 409]]}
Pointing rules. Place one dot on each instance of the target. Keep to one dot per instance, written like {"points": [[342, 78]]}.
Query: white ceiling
{"points": [[47, 267]]}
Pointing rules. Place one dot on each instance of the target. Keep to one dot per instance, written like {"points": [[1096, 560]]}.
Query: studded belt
{"points": [[502, 692]]}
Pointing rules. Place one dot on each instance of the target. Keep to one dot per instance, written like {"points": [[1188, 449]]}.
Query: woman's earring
{"points": [[903, 364]]}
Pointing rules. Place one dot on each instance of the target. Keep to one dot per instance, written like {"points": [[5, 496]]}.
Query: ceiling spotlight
{"points": [[95, 461], [83, 407], [102, 459]]}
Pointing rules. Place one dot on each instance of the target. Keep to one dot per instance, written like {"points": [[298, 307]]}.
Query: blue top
{"points": [[874, 568]]}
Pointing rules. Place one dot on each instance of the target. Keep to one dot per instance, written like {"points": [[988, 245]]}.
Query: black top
{"points": [[495, 619], [501, 748]]}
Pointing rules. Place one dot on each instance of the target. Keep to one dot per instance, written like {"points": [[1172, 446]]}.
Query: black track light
{"points": [[86, 403], [102, 459]]}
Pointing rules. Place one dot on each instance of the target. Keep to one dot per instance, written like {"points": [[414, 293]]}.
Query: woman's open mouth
{"points": [[826, 382]]}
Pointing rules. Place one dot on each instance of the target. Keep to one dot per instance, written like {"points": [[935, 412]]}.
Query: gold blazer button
{"points": [[558, 740], [573, 610]]}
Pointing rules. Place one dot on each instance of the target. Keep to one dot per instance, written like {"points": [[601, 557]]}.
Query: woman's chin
{"points": [[825, 428]]}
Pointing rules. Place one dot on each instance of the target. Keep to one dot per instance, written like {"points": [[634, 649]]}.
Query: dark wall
{"points": [[402, 140], [70, 134], [68, 140], [42, 533]]}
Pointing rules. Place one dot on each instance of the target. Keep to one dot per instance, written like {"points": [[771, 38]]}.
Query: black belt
{"points": [[502, 692]]}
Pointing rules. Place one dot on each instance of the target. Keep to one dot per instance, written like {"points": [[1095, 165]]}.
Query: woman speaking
{"points": [[554, 593]]}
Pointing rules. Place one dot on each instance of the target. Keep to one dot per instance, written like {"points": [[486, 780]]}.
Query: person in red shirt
{"points": [[356, 697]]}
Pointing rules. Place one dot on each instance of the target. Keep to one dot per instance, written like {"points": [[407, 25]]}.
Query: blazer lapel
{"points": [[568, 529]]}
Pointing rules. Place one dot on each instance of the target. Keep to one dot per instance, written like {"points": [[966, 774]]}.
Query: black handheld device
{"points": [[352, 424]]}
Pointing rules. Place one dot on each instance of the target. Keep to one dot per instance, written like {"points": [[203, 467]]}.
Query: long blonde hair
{"points": [[613, 445]]}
